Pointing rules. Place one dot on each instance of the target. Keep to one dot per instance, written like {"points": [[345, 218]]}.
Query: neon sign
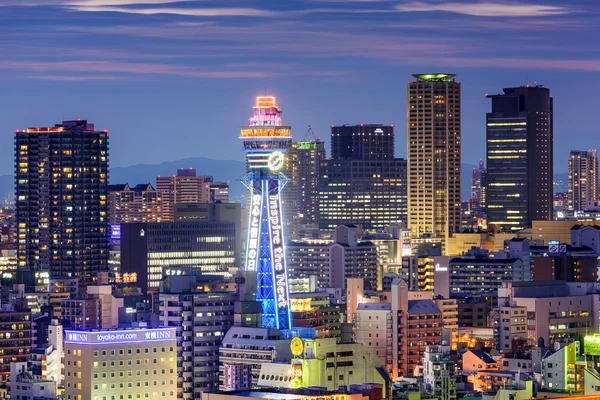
{"points": [[253, 230], [115, 232], [439, 268], [297, 346], [278, 252], [120, 336], [275, 162], [307, 145]]}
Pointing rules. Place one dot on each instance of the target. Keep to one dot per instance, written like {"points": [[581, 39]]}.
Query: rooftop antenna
{"points": [[311, 132]]}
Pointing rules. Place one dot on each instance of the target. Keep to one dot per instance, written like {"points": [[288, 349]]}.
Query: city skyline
{"points": [[130, 57]]}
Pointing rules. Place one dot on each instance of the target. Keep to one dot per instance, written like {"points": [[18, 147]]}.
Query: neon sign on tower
{"points": [[265, 142]]}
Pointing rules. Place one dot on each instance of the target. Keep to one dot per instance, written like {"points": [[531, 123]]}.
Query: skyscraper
{"points": [[519, 157], [478, 190], [362, 184], [62, 192], [433, 155], [265, 143], [362, 142], [300, 200], [583, 179]]}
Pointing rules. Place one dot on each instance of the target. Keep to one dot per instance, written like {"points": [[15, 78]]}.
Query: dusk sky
{"points": [[176, 79]]}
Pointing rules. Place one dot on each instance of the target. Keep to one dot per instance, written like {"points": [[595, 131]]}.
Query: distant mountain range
{"points": [[222, 170]]}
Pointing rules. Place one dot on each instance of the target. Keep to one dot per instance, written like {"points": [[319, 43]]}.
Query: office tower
{"points": [[202, 312], [362, 142], [362, 184], [185, 187], [583, 179], [153, 250], [62, 190], [138, 204], [265, 142], [433, 133], [300, 199], [519, 158], [121, 363], [479, 190]]}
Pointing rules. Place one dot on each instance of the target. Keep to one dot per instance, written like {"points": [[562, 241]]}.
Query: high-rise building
{"points": [[138, 204], [479, 190], [201, 312], [300, 200], [362, 184], [433, 155], [519, 158], [265, 142], [583, 179], [185, 187], [362, 142], [62, 199]]}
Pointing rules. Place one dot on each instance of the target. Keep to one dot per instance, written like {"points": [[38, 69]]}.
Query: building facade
{"points": [[184, 187], [201, 314], [519, 157], [479, 190], [102, 364], [362, 184], [583, 179], [15, 343], [138, 204], [300, 200], [59, 170], [148, 249], [433, 119]]}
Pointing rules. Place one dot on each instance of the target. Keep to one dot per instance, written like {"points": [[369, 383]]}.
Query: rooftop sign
{"points": [[120, 336]]}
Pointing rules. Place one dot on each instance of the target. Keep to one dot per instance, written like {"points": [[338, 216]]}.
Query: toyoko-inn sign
{"points": [[120, 336]]}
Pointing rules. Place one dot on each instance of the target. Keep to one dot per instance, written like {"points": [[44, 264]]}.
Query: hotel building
{"points": [[121, 364]]}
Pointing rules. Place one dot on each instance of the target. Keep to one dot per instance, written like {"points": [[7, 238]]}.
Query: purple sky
{"points": [[177, 79]]}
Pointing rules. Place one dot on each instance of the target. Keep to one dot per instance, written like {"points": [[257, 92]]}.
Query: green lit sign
{"points": [[307, 145], [591, 345]]}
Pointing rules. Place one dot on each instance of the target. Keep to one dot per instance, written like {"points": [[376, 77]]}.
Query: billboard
{"points": [[591, 345], [124, 336]]}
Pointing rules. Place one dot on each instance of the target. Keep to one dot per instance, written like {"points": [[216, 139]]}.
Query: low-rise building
{"points": [[477, 360], [439, 373], [253, 347]]}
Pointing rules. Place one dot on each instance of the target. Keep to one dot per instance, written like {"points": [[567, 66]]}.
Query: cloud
{"points": [[68, 78], [104, 3], [482, 9], [195, 12]]}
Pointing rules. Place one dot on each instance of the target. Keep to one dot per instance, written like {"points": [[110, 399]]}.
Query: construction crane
{"points": [[310, 132]]}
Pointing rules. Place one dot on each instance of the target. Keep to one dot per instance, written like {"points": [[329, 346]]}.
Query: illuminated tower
{"points": [[265, 142], [433, 155]]}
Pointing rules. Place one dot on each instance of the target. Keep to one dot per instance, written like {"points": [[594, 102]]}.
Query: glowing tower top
{"points": [[265, 133]]}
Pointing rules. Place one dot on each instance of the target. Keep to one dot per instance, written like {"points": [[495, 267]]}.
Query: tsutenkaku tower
{"points": [[265, 142]]}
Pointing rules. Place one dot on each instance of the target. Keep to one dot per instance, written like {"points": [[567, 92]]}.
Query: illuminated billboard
{"points": [[591, 345], [265, 142], [123, 336]]}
